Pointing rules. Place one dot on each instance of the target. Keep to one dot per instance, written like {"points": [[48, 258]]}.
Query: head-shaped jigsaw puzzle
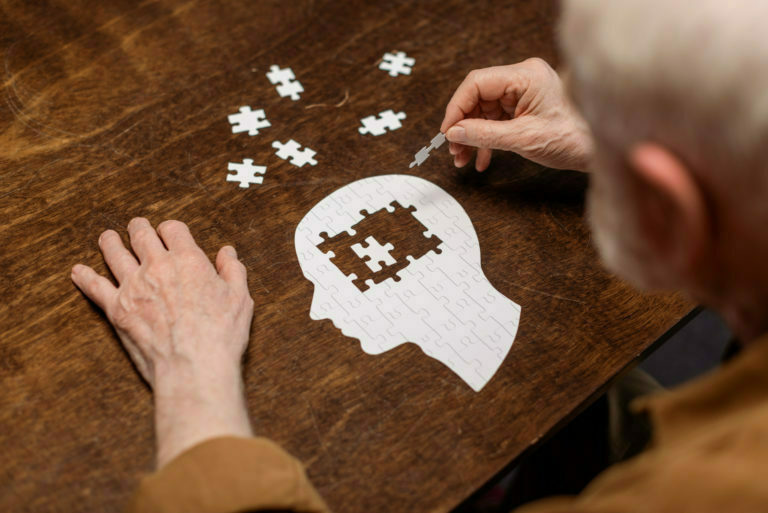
{"points": [[383, 284]]}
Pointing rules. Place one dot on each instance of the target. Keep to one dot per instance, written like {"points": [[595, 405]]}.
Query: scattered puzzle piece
{"points": [[374, 254], [248, 121], [397, 63], [291, 150], [378, 126], [423, 153], [288, 85], [245, 173]]}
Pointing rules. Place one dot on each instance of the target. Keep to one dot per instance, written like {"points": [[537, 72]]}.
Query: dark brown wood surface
{"points": [[118, 108]]}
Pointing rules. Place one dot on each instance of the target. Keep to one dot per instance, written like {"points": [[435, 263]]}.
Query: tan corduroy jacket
{"points": [[709, 455]]}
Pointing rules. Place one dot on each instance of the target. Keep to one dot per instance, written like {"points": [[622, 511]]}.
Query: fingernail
{"points": [[231, 251], [457, 134]]}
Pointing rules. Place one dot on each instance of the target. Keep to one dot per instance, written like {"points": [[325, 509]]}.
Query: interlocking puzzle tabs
{"points": [[363, 258]]}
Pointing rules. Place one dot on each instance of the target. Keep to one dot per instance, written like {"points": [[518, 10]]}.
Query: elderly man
{"points": [[670, 115]]}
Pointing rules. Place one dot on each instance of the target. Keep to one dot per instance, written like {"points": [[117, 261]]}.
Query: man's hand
{"points": [[521, 108], [185, 325]]}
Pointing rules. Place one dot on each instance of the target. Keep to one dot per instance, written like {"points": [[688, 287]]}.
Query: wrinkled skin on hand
{"points": [[185, 325], [522, 108]]}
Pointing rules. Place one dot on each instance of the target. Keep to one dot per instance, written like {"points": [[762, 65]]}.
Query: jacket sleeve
{"points": [[228, 475]]}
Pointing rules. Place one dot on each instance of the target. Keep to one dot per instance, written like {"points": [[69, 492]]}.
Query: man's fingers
{"points": [[176, 236], [463, 157], [480, 87], [485, 133], [231, 269], [96, 287], [120, 261], [483, 159], [144, 239]]}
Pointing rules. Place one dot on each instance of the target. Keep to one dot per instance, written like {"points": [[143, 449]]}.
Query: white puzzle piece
{"points": [[374, 254], [423, 153], [436, 296], [286, 82], [248, 120], [397, 63], [378, 126], [290, 150], [245, 173]]}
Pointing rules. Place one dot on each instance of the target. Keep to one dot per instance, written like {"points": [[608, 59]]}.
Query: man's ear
{"points": [[674, 218]]}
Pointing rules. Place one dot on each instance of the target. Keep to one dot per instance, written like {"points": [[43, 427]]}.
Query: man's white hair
{"points": [[690, 75]]}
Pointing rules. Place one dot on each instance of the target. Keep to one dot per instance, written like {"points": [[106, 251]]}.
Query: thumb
{"points": [[485, 133]]}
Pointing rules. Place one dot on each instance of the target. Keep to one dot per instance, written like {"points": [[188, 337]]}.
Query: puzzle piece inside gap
{"points": [[248, 120], [245, 173], [387, 119], [398, 63], [374, 254], [291, 150], [423, 153], [288, 85], [398, 228]]}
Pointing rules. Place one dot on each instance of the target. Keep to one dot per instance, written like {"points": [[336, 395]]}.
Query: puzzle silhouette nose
{"points": [[322, 305]]}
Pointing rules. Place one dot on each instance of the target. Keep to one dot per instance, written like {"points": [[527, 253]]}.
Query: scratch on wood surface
{"points": [[529, 289], [61, 137], [389, 21], [66, 45], [337, 105], [342, 422], [18, 107], [557, 222], [128, 39], [459, 466], [405, 435], [13, 99], [319, 434]]}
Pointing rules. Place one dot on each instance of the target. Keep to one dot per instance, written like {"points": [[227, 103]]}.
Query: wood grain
{"points": [[117, 109]]}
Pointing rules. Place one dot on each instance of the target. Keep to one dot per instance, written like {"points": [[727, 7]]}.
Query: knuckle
{"points": [[191, 259], [157, 268], [539, 65], [536, 61], [171, 225], [120, 315], [483, 135], [140, 234], [476, 74], [470, 80], [137, 221], [243, 302], [106, 235]]}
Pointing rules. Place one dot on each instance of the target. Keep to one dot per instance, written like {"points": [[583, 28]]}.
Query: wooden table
{"points": [[119, 108]]}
